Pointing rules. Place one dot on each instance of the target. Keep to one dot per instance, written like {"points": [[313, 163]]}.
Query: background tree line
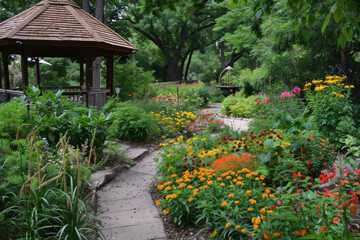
{"points": [[267, 42]]}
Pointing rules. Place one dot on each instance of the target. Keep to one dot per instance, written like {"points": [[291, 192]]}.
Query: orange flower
{"points": [[324, 228], [303, 232], [298, 232], [352, 208], [336, 220], [224, 204], [237, 227], [266, 236], [256, 227], [228, 225], [278, 235]]}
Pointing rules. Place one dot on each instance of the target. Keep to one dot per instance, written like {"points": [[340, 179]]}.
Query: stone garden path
{"points": [[125, 207]]}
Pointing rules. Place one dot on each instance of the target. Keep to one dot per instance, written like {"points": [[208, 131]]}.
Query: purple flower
{"points": [[297, 90]]}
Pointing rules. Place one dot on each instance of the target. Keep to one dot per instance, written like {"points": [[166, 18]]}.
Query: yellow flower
{"points": [[222, 184], [228, 225], [237, 227], [167, 211], [248, 193], [174, 175], [243, 230], [349, 86], [219, 179], [195, 138], [157, 202], [203, 139], [236, 202], [209, 183], [224, 204], [168, 188], [265, 195], [270, 211], [231, 195], [190, 199]]}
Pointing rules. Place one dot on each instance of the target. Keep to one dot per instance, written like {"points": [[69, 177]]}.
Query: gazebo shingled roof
{"points": [[64, 23], [59, 28]]}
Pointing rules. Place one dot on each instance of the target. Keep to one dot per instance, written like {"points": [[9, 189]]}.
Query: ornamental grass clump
{"points": [[233, 162]]}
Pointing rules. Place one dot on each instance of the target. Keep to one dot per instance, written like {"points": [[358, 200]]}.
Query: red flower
{"points": [[310, 162], [291, 165]]}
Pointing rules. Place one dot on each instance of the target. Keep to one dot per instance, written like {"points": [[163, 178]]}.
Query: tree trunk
{"points": [[174, 71], [99, 14], [222, 55], [86, 5], [188, 65]]}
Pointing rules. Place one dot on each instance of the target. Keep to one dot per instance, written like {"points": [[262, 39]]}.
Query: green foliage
{"points": [[330, 108], [53, 110], [132, 123], [239, 106], [12, 115], [133, 81]]}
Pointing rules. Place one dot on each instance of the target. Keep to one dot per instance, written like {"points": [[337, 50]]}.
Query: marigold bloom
{"points": [[336, 220], [277, 235], [190, 199], [237, 227], [157, 202], [222, 184], [324, 228], [303, 232], [252, 201], [243, 230], [231, 195], [228, 225], [224, 204], [236, 202], [250, 209], [256, 227], [298, 232]]}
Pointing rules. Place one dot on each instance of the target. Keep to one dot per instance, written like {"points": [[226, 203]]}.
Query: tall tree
{"points": [[177, 33]]}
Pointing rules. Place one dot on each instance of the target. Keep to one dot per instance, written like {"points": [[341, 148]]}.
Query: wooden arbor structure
{"points": [[60, 28]]}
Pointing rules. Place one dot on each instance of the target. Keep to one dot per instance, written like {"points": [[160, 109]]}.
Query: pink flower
{"points": [[267, 100], [285, 94], [297, 90], [258, 101]]}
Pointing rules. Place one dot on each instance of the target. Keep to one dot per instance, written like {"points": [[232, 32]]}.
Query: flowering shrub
{"points": [[259, 186], [232, 162], [168, 99], [210, 121], [227, 202], [173, 124], [330, 106]]}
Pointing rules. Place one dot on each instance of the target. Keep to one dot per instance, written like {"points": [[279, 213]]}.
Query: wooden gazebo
{"points": [[60, 28]]}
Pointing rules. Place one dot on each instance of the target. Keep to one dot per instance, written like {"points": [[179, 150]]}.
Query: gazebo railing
{"points": [[97, 97], [12, 94]]}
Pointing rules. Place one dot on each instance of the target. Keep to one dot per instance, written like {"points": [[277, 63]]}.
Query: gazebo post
{"points": [[24, 71], [110, 74], [89, 78], [5, 58], [37, 73], [81, 73]]}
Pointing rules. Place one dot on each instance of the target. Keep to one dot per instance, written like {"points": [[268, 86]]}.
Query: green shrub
{"points": [[132, 123], [239, 106], [12, 115]]}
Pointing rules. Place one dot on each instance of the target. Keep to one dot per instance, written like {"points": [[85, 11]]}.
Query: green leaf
{"points": [[258, 13], [338, 14], [342, 40], [326, 22]]}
